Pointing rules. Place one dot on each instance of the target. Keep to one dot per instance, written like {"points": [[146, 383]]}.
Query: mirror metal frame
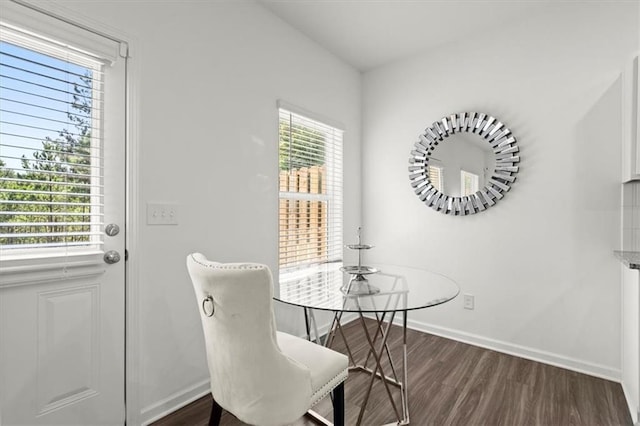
{"points": [[494, 132]]}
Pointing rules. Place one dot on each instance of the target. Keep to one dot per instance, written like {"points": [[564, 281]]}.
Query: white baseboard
{"points": [[174, 402], [561, 361], [568, 363]]}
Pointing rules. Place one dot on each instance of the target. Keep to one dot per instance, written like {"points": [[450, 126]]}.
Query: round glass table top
{"points": [[333, 287]]}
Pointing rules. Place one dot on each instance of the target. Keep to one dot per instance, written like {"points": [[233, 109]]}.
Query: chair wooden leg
{"points": [[216, 413], [338, 405]]}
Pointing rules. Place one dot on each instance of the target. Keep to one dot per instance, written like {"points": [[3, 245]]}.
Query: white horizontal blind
{"points": [[50, 152], [469, 183], [310, 210], [435, 176]]}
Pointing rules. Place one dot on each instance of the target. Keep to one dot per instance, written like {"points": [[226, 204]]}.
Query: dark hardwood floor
{"points": [[452, 383]]}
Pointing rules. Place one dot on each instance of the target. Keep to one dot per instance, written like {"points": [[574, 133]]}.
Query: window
{"points": [[310, 207], [436, 176], [50, 154], [468, 183]]}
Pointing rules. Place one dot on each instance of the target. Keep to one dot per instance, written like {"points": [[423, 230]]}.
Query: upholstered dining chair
{"points": [[262, 376]]}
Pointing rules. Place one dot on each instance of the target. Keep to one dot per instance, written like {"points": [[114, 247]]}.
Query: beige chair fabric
{"points": [[261, 376]]}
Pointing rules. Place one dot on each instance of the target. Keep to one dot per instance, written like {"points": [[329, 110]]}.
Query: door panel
{"points": [[67, 344], [62, 361], [62, 315]]}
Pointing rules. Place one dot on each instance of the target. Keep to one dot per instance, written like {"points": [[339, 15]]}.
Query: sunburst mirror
{"points": [[464, 163]]}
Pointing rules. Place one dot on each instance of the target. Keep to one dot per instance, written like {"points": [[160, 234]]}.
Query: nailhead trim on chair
{"points": [[227, 266], [328, 387]]}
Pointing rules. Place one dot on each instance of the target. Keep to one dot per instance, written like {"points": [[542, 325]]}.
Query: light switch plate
{"points": [[162, 214]]}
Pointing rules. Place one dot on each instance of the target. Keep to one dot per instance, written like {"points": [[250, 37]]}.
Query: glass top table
{"points": [[376, 294], [400, 288]]}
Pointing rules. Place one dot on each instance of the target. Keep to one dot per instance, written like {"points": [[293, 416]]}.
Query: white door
{"points": [[62, 181]]}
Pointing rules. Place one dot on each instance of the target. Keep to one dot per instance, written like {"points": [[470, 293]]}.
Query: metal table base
{"points": [[378, 349]]}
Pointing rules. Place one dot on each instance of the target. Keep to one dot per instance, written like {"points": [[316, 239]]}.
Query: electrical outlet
{"points": [[468, 301], [162, 214]]}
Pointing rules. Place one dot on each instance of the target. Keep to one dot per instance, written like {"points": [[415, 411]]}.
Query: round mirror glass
{"points": [[463, 163]]}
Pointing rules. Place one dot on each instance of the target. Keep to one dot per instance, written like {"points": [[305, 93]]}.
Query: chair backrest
{"points": [[250, 376]]}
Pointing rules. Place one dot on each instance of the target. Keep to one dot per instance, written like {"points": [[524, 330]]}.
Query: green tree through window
{"points": [[45, 193], [307, 149]]}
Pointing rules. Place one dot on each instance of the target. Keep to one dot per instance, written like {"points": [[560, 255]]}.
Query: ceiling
{"points": [[371, 33]]}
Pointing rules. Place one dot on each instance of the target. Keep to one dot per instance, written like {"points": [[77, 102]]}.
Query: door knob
{"points": [[112, 229], [111, 257]]}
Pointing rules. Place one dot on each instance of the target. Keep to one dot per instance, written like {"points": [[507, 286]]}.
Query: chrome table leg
{"points": [[377, 357]]}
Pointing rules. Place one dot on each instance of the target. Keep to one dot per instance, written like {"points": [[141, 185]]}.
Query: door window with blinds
{"points": [[310, 207], [50, 153]]}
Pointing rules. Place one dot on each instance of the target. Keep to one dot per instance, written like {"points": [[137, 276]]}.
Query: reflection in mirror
{"points": [[436, 172], [463, 163], [468, 183]]}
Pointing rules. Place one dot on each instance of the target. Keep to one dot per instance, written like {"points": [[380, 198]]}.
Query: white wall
{"points": [[631, 340], [208, 78], [630, 304], [540, 263]]}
